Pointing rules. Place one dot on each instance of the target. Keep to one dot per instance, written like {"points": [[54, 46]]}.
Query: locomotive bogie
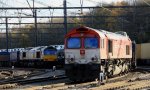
{"points": [[82, 72]]}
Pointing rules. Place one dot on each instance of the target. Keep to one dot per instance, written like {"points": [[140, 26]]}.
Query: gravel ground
{"points": [[139, 79], [4, 74], [10, 73], [13, 73], [127, 81]]}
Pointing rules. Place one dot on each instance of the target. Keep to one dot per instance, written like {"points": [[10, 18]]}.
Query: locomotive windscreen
{"points": [[91, 42], [50, 52], [74, 42]]}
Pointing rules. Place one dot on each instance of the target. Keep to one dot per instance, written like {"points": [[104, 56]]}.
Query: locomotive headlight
{"points": [[71, 58], [94, 59], [58, 57]]}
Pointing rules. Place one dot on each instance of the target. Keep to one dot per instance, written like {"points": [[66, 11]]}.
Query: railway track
{"points": [[132, 81], [16, 83], [26, 79], [125, 85], [138, 79], [13, 79]]}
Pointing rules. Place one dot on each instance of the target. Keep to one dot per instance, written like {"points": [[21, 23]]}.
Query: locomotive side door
{"points": [[110, 48]]}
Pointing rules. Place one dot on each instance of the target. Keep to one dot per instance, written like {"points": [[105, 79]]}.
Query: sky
{"points": [[48, 3], [55, 2], [44, 3]]}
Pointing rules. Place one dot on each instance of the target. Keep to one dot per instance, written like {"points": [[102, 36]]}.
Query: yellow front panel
{"points": [[50, 57]]}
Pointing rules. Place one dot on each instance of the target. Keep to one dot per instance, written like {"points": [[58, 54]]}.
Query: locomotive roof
{"points": [[102, 33], [110, 35], [38, 48]]}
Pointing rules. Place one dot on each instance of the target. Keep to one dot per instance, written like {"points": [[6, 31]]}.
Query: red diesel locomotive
{"points": [[89, 51]]}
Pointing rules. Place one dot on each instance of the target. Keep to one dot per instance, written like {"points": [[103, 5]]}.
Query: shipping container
{"points": [[145, 51], [143, 54], [4, 56], [138, 51], [13, 56]]}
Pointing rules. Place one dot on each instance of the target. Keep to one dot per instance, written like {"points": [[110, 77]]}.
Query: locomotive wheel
{"points": [[110, 75], [127, 70], [106, 77]]}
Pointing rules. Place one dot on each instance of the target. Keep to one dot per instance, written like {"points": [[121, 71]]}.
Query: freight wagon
{"points": [[143, 54], [8, 58]]}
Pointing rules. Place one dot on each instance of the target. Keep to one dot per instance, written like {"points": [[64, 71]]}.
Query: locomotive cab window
{"points": [[110, 46], [24, 54], [127, 50], [91, 42], [102, 43], [73, 43], [38, 55]]}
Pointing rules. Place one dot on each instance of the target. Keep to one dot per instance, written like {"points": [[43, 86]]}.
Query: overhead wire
{"points": [[25, 13], [22, 11], [93, 1], [30, 7], [19, 18], [70, 11], [18, 13], [51, 20], [146, 2], [41, 3], [81, 3]]}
